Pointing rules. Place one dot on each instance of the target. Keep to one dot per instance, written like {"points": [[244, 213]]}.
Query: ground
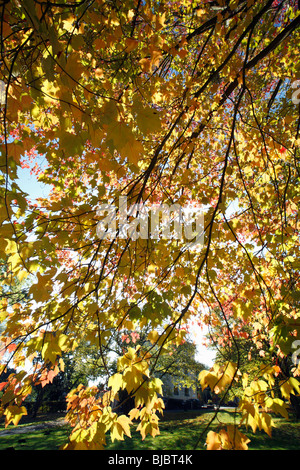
{"points": [[178, 431]]}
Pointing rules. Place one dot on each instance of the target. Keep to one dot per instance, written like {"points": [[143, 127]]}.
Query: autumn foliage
{"points": [[162, 102]]}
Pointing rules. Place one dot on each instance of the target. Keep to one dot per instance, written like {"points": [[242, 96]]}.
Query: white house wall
{"points": [[169, 389]]}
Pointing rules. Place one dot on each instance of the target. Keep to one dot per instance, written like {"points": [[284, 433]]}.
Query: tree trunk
{"points": [[295, 402]]}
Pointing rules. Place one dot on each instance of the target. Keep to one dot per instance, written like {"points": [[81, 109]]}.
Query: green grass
{"points": [[177, 432], [183, 434], [50, 439]]}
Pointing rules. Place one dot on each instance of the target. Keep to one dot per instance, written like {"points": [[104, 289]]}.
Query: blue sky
{"points": [[30, 184]]}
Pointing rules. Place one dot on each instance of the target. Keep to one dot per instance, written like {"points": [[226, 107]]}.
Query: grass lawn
{"points": [[178, 431]]}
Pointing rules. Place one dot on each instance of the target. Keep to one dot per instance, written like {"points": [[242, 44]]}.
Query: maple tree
{"points": [[162, 102]]}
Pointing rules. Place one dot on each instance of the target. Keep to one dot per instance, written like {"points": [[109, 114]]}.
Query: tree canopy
{"points": [[156, 103]]}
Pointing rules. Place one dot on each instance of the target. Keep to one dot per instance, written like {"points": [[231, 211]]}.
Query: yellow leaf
{"points": [[97, 435], [131, 44], [151, 268], [147, 119], [74, 68], [3, 243], [119, 427], [207, 379], [295, 384], [11, 247], [22, 275], [253, 421], [245, 380], [160, 21], [7, 397], [116, 382], [266, 423], [286, 389], [14, 261], [13, 414], [247, 406], [134, 414], [156, 385], [229, 439], [68, 24], [41, 291], [99, 43], [133, 151], [108, 397], [121, 138], [146, 427], [61, 364], [213, 441], [62, 342], [153, 336], [237, 440], [53, 345], [124, 422], [278, 406]]}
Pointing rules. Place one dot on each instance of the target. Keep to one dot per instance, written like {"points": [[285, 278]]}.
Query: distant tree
{"points": [[13, 290], [252, 356], [180, 363]]}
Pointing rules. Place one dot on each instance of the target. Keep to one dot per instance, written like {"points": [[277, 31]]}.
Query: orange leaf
{"points": [[213, 441]]}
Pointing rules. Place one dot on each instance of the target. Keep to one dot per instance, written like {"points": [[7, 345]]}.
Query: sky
{"points": [[30, 184], [205, 356]]}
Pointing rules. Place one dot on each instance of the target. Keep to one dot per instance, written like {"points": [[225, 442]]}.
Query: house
{"points": [[180, 395], [174, 390], [179, 373]]}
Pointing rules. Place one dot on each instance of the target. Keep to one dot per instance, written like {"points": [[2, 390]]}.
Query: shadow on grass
{"points": [[50, 439]]}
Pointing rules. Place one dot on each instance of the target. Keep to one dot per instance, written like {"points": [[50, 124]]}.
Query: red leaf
{"points": [[2, 385]]}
